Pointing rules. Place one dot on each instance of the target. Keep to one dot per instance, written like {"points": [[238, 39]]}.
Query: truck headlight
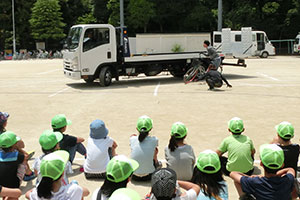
{"points": [[75, 63]]}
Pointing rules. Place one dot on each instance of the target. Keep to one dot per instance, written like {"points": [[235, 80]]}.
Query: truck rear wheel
{"points": [[105, 76]]}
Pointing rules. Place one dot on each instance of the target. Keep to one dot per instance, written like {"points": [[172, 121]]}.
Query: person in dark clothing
{"points": [[276, 184], [10, 161], [69, 143], [214, 79]]}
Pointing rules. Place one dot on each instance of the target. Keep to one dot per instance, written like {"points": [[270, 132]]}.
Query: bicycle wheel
{"points": [[190, 75]]}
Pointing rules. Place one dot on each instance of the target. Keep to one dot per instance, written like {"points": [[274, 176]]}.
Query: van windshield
{"points": [[73, 37], [297, 41]]}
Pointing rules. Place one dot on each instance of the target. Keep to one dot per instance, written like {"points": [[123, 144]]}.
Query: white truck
{"points": [[93, 52], [297, 44], [244, 43]]}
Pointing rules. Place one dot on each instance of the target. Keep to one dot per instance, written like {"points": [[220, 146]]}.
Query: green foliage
{"points": [[270, 7], [141, 11], [46, 21], [114, 7], [177, 48], [86, 19], [101, 11]]}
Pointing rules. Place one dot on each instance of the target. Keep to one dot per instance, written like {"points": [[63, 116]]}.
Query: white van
{"points": [[243, 43], [297, 44]]}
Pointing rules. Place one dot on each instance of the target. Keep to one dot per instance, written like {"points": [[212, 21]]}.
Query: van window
{"points": [[238, 38], [94, 37], [217, 38], [297, 41]]}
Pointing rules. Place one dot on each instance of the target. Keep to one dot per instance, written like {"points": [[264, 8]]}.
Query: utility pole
{"points": [[220, 10], [121, 20], [14, 31]]}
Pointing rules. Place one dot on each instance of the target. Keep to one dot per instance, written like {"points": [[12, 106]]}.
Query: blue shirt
{"points": [[223, 194], [274, 188]]}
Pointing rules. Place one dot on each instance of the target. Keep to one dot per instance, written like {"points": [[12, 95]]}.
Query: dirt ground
{"points": [[263, 94]]}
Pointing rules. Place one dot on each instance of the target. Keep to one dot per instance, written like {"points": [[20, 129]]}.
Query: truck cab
{"points": [[87, 47], [297, 44]]}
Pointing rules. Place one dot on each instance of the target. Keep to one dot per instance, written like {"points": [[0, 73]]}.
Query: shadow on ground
{"points": [[237, 76], [142, 81], [126, 83]]}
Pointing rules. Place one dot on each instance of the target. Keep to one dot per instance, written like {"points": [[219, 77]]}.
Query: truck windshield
{"points": [[73, 38]]}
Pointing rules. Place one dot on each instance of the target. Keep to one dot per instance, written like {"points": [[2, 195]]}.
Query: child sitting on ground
{"points": [[240, 149], [285, 132], [164, 183], [276, 184], [69, 143], [49, 142], [180, 156], [100, 148], [144, 150], [29, 175], [208, 175], [50, 187], [119, 171], [11, 161]]}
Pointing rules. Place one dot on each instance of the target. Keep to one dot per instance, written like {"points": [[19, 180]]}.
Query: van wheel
{"points": [[105, 76], [264, 54]]}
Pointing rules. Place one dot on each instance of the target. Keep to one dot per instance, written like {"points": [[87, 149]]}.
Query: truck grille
{"points": [[67, 64]]}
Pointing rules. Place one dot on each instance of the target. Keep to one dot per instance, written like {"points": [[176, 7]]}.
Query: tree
{"points": [[141, 11], [114, 7], [46, 21], [101, 11]]}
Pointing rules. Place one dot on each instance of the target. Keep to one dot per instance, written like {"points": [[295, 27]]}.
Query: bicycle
{"points": [[198, 69]]}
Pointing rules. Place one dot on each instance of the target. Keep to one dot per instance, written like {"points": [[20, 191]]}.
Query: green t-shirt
{"points": [[239, 149]]}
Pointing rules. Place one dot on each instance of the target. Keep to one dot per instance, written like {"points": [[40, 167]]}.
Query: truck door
{"points": [[96, 48], [260, 41]]}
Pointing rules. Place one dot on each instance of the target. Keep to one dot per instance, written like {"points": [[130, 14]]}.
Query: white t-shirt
{"points": [[143, 153], [189, 195], [66, 192], [97, 155], [36, 166]]}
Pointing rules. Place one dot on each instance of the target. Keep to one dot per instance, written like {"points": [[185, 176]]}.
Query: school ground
{"points": [[263, 94]]}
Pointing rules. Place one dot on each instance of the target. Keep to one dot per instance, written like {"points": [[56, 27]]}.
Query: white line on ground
{"points": [[156, 89], [60, 91], [267, 76], [47, 72]]}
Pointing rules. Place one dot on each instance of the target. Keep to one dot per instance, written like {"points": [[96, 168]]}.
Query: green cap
{"points": [[208, 162], [144, 122], [178, 130], [49, 139], [119, 168], [7, 139], [60, 121], [285, 130], [53, 164], [125, 194], [271, 155], [236, 125]]}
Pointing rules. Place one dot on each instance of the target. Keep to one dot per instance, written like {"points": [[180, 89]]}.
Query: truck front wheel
{"points": [[264, 54], [105, 76]]}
